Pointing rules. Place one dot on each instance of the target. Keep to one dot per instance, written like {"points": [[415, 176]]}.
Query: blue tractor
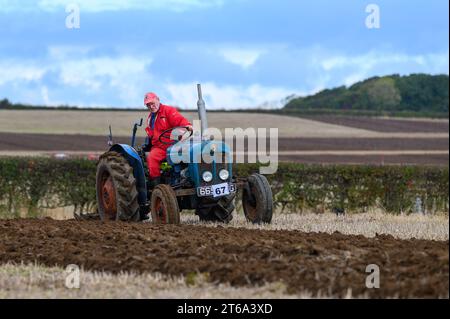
{"points": [[188, 181]]}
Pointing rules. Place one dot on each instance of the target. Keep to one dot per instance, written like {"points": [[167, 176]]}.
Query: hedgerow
{"points": [[31, 184]]}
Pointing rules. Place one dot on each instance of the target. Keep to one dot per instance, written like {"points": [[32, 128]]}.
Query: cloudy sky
{"points": [[245, 52]]}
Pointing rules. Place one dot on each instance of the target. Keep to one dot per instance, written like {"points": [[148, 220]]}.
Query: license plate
{"points": [[216, 190], [220, 190]]}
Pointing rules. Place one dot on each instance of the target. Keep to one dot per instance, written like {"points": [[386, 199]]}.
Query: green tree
{"points": [[423, 93], [383, 94]]}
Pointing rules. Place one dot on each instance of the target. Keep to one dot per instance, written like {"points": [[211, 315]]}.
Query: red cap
{"points": [[150, 97]]}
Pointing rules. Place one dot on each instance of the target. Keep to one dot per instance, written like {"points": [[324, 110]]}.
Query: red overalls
{"points": [[167, 117]]}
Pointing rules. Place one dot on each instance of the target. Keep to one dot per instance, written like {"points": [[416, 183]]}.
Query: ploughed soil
{"points": [[428, 159], [89, 143], [50, 142], [323, 264], [384, 125]]}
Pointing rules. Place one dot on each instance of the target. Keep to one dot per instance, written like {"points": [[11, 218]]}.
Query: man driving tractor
{"points": [[161, 118]]}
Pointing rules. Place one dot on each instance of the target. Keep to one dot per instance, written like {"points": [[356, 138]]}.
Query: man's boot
{"points": [[144, 214], [154, 182]]}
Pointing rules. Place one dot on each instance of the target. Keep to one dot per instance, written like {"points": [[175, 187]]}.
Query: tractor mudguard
{"points": [[135, 161]]}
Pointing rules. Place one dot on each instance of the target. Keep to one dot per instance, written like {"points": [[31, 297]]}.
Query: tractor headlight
{"points": [[207, 176], [224, 174]]}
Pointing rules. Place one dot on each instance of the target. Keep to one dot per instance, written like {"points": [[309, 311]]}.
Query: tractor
{"points": [[188, 182]]}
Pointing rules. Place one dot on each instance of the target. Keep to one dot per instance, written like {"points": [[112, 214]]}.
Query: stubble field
{"points": [[295, 257]]}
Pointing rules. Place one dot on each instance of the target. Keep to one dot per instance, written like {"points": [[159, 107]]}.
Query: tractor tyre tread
{"points": [[216, 214], [124, 183], [263, 197], [169, 199]]}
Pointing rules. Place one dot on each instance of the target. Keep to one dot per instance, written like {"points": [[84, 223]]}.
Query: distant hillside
{"points": [[416, 93]]}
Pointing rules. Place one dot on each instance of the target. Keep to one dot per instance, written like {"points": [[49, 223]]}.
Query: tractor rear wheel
{"points": [[257, 200], [117, 196], [164, 205]]}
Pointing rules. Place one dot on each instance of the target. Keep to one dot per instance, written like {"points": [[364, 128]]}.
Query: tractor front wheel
{"points": [[117, 196], [164, 205], [257, 200], [222, 211]]}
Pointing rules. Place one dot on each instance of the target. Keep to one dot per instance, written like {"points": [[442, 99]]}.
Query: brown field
{"points": [[323, 264], [297, 256], [306, 150], [58, 142], [435, 160], [364, 144], [96, 123], [321, 140], [375, 221], [386, 158], [386, 124], [22, 280]]}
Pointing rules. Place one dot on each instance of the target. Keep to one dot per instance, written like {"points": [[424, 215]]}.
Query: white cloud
{"points": [[125, 76], [77, 75], [13, 71], [365, 61], [67, 51], [92, 71], [245, 58], [217, 96], [361, 66], [108, 5], [354, 78], [119, 80], [44, 92]]}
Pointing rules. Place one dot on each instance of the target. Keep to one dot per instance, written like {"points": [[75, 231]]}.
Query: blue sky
{"points": [[246, 53]]}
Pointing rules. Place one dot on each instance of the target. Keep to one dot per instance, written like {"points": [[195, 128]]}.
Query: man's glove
{"points": [[148, 145]]}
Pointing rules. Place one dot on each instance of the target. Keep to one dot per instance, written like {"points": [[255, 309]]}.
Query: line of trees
{"points": [[393, 93], [5, 104]]}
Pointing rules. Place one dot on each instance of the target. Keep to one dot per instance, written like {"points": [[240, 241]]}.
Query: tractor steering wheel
{"points": [[169, 134]]}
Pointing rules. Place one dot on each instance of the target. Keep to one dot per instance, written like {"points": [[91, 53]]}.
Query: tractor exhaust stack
{"points": [[201, 110]]}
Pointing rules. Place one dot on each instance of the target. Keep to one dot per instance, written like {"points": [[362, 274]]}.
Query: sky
{"points": [[246, 53]]}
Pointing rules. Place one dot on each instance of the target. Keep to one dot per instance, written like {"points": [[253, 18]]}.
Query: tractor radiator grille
{"points": [[221, 163]]}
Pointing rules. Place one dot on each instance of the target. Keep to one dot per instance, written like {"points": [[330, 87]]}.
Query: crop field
{"points": [[212, 154], [324, 139], [268, 262], [387, 125], [304, 253], [97, 122]]}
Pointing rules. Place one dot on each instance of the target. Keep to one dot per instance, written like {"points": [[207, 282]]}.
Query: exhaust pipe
{"points": [[201, 110]]}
